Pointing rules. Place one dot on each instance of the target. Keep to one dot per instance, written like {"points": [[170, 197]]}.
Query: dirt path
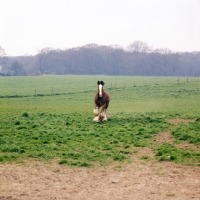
{"points": [[136, 180]]}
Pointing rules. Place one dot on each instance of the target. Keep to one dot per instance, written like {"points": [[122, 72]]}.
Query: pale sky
{"points": [[29, 25]]}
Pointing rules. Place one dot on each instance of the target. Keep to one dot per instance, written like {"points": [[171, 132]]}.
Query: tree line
{"points": [[138, 59]]}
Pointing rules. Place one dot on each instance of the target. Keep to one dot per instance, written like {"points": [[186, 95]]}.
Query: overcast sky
{"points": [[29, 25]]}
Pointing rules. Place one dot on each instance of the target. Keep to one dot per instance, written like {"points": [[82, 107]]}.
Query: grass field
{"points": [[51, 118]]}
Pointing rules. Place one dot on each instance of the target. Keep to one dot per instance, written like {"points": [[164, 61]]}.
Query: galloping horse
{"points": [[101, 101]]}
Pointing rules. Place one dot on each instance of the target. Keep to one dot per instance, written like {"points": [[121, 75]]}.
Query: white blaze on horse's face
{"points": [[100, 90]]}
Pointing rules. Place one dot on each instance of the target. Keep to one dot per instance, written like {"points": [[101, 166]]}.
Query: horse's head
{"points": [[100, 87]]}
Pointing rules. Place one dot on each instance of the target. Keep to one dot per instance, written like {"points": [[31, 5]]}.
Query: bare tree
{"points": [[2, 52], [42, 57], [17, 69], [139, 47]]}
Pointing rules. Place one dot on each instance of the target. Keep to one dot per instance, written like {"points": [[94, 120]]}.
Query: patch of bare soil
{"points": [[143, 152], [163, 137], [136, 180], [178, 121]]}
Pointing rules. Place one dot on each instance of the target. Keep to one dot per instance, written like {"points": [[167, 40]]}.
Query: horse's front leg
{"points": [[96, 110], [103, 113]]}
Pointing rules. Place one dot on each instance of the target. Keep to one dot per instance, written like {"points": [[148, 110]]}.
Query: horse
{"points": [[101, 102]]}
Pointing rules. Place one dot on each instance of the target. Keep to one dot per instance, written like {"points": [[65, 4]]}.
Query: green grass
{"points": [[169, 152], [58, 124]]}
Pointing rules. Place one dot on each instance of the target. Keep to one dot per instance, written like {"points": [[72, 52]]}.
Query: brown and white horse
{"points": [[101, 102]]}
